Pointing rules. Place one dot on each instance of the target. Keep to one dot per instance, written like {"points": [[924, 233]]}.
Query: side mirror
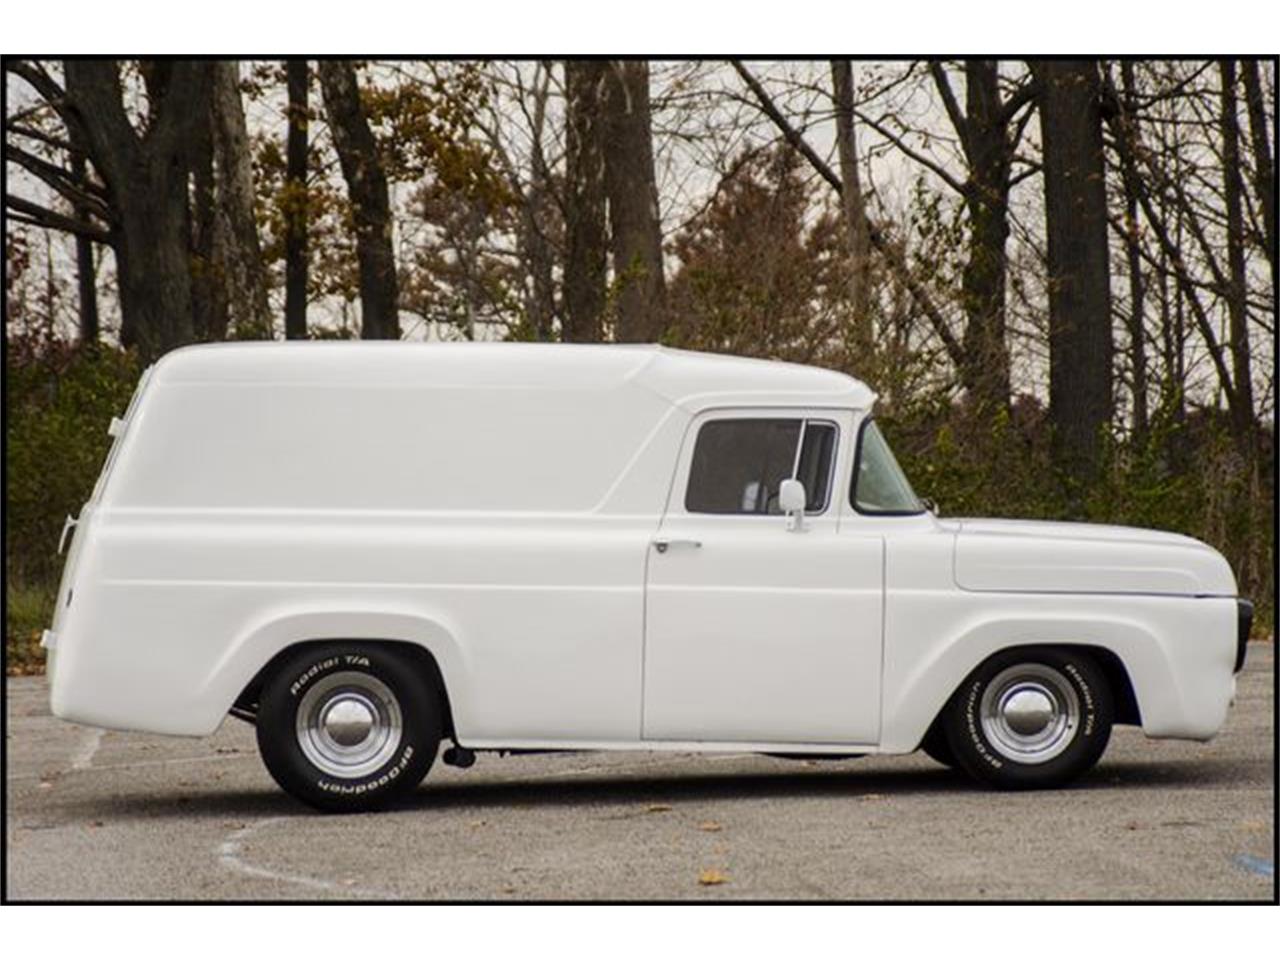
{"points": [[792, 500]]}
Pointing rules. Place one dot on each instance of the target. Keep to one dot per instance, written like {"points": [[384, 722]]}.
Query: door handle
{"points": [[663, 544]]}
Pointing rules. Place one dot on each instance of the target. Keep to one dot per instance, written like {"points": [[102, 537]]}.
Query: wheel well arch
{"points": [[246, 703], [1113, 668]]}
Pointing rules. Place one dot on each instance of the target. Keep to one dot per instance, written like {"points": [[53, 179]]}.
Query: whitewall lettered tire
{"points": [[346, 727], [1030, 717]]}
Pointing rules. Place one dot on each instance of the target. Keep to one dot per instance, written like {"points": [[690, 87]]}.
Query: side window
{"points": [[738, 465]]}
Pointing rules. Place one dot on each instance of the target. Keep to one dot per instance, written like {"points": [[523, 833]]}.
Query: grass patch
{"points": [[28, 611]]}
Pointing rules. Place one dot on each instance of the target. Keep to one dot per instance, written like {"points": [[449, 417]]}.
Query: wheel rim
{"points": [[1030, 713], [349, 724]]}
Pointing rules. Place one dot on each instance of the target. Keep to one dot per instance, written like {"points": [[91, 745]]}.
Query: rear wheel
{"points": [[1030, 718], [348, 726]]}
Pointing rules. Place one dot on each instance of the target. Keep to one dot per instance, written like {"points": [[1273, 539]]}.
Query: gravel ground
{"points": [[93, 815]]}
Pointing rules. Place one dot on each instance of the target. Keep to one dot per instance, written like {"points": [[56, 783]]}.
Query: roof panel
{"points": [[682, 377]]}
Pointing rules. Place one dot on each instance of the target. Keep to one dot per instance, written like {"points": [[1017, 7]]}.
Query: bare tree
{"points": [[295, 219], [1080, 335], [1177, 198], [371, 208], [1128, 117], [586, 259], [989, 130], [147, 179], [1264, 173], [246, 278], [854, 207], [86, 273], [1237, 283], [636, 236]]}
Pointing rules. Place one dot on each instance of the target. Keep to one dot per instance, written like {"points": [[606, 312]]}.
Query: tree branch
{"points": [[789, 133], [882, 246], [61, 180], [1017, 100], [919, 158], [32, 134], [958, 119], [27, 212]]}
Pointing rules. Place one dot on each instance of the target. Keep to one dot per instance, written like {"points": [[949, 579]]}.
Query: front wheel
{"points": [[1030, 718], [346, 727]]}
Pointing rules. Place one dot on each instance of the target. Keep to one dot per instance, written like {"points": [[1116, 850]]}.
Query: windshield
{"points": [[879, 485]]}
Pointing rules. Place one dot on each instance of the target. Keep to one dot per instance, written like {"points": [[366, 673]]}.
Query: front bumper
{"points": [[1244, 623]]}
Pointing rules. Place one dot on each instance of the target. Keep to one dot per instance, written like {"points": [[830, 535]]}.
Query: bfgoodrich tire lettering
{"points": [[348, 726], [1030, 717]]}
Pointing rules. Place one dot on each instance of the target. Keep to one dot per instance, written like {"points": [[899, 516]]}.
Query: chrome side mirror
{"points": [[792, 500]]}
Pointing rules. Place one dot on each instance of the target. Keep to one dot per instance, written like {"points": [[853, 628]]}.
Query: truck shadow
{"points": [[629, 789]]}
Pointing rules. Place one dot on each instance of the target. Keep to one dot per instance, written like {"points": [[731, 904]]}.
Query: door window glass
{"points": [[738, 465]]}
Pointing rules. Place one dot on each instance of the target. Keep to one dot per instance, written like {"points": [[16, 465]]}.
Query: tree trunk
{"points": [[208, 240], [1237, 290], [1080, 335], [86, 275], [146, 178], [535, 214], [985, 374], [585, 263], [1264, 174], [295, 204], [152, 262], [632, 190], [370, 203], [1133, 260], [246, 277], [854, 207]]}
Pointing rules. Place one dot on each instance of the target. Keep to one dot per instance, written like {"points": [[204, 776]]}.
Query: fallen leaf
{"points": [[712, 878], [872, 796], [477, 823], [658, 807], [508, 889], [710, 826]]}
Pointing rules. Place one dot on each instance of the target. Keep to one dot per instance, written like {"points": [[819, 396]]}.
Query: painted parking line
{"points": [[1263, 868], [231, 854]]}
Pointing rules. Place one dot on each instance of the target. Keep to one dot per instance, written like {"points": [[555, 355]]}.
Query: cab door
{"points": [[755, 632]]}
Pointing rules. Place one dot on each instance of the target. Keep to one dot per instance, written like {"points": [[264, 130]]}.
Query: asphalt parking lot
{"points": [[94, 815]]}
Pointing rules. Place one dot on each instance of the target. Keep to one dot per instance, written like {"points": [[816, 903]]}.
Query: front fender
{"points": [[918, 687]]}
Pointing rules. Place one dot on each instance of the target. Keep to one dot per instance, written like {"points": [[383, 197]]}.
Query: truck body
{"points": [[592, 547]]}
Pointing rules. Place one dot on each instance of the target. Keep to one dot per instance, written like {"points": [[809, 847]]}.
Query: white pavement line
{"points": [[83, 757], [230, 856]]}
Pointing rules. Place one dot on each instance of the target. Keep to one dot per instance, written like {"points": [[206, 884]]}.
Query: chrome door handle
{"points": [[663, 544]]}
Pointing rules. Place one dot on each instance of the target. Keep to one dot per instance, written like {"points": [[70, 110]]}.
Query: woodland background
{"points": [[1060, 275]]}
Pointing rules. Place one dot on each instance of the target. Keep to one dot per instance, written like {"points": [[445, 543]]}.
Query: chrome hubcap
{"points": [[348, 720], [1030, 713], [349, 724]]}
